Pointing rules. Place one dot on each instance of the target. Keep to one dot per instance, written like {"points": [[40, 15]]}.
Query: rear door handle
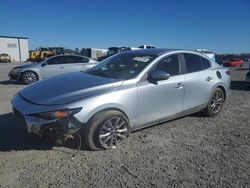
{"points": [[179, 85], [62, 67], [209, 78]]}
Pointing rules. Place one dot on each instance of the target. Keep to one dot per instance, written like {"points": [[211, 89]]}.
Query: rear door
{"points": [[74, 63], [78, 63], [199, 79]]}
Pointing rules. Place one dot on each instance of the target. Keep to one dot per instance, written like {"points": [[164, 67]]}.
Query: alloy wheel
{"points": [[217, 101], [29, 77], [113, 132]]}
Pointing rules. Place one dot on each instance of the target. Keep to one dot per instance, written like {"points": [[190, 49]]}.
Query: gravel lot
{"points": [[188, 152]]}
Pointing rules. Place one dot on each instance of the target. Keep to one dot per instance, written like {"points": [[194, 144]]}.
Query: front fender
{"points": [[109, 106], [33, 70], [124, 101]]}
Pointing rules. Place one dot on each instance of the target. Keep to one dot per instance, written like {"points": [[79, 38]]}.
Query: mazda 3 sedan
{"points": [[124, 93], [32, 72]]}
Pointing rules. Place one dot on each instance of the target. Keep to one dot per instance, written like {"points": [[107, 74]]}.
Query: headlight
{"points": [[15, 70], [58, 114]]}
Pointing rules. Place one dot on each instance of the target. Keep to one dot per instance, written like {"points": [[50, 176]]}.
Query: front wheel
{"points": [[215, 103], [29, 77], [106, 130]]}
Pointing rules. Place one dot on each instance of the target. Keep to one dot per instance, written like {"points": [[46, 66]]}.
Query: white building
{"points": [[16, 47]]}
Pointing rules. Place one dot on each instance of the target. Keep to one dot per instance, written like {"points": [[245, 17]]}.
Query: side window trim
{"points": [[184, 64], [166, 57], [85, 60], [144, 78]]}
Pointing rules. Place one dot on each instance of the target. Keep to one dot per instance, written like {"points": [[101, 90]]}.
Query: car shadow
{"points": [[239, 85], [14, 136], [8, 82]]}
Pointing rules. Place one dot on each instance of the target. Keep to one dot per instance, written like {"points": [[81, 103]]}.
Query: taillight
{"points": [[228, 72]]}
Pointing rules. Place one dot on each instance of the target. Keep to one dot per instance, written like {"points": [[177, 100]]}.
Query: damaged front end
{"points": [[57, 126], [57, 131]]}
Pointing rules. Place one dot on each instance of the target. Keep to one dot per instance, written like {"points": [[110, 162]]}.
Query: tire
{"points": [[29, 77], [98, 130], [215, 103]]}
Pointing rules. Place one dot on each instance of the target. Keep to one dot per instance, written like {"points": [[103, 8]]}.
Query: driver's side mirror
{"points": [[44, 64], [155, 76]]}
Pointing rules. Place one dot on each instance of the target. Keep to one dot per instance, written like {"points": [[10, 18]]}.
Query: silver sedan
{"points": [[32, 72], [124, 93]]}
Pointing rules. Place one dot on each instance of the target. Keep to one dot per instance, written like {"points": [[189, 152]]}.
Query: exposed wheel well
{"points": [[107, 109], [224, 91]]}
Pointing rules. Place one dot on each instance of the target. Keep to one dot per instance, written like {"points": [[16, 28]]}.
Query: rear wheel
{"points": [[215, 103], [29, 77], [106, 130]]}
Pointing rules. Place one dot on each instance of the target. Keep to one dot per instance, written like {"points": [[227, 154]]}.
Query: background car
{"points": [[32, 72], [234, 63], [248, 78], [5, 58], [126, 92]]}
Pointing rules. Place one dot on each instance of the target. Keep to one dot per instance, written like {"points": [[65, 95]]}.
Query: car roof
{"points": [[155, 51]]}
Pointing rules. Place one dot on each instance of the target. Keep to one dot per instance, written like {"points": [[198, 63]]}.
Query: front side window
{"points": [[196, 63], [122, 66], [169, 65]]}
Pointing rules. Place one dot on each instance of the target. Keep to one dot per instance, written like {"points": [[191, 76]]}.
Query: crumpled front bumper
{"points": [[15, 75], [33, 124], [24, 111]]}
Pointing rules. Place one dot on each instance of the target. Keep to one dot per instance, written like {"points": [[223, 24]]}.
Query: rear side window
{"points": [[196, 63], [84, 60], [169, 64], [72, 59], [78, 59]]}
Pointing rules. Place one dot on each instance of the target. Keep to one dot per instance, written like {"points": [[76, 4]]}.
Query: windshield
{"points": [[122, 66]]}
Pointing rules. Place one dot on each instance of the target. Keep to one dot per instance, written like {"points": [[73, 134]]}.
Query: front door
{"points": [[160, 100], [52, 67]]}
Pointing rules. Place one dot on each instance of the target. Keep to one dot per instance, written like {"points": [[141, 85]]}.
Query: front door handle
{"points": [[209, 78], [179, 85], [62, 67]]}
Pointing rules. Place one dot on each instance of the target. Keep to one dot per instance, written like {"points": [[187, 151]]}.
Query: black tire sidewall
{"points": [[27, 72], [92, 129], [209, 109]]}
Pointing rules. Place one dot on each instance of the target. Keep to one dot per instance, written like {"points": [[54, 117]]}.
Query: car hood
{"points": [[27, 65], [66, 88]]}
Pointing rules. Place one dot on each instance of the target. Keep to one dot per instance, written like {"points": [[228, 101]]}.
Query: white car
{"points": [[32, 72]]}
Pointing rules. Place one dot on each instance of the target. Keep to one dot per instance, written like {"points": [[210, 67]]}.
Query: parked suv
{"points": [[5, 58], [32, 72]]}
